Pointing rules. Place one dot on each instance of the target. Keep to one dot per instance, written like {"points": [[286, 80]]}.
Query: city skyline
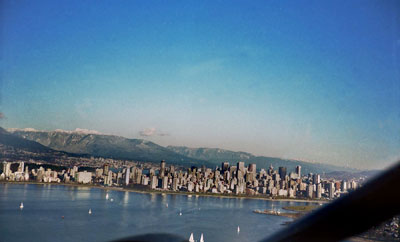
{"points": [[235, 179], [316, 83]]}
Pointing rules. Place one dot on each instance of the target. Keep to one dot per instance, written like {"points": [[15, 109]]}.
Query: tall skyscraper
{"points": [[344, 186], [239, 174], [316, 179], [282, 172], [175, 184], [21, 166], [106, 168], [240, 166], [162, 169], [138, 176], [165, 183], [6, 168], [253, 168], [298, 171], [310, 191], [270, 170], [319, 191], [225, 166], [127, 176], [154, 182], [331, 190], [353, 185]]}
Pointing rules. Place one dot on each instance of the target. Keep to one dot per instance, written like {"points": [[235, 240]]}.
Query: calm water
{"points": [[129, 214]]}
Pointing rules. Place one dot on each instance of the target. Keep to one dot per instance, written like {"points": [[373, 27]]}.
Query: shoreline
{"points": [[281, 214], [124, 189]]}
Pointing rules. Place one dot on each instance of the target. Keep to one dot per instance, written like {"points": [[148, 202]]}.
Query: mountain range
{"points": [[13, 147], [82, 142], [217, 156], [107, 146]]}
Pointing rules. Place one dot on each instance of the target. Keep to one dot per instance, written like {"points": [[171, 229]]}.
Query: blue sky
{"points": [[310, 80]]}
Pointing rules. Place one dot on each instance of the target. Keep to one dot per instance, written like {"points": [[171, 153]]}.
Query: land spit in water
{"points": [[275, 213], [384, 232], [298, 211]]}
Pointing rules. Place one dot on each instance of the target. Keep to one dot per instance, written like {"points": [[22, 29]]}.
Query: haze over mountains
{"points": [[107, 146], [13, 147], [216, 156], [93, 143]]}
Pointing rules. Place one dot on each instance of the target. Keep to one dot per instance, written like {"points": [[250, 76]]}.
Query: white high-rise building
{"points": [[165, 183], [127, 176], [21, 166], [298, 171], [331, 190], [310, 190], [316, 179], [84, 177], [154, 182], [353, 185], [319, 191], [240, 166], [344, 186], [6, 169]]}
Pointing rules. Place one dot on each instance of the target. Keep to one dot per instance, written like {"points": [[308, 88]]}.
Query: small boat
{"points": [[107, 196], [62, 217], [166, 205], [180, 213], [191, 238], [112, 200], [238, 230], [201, 238], [90, 211], [21, 206]]}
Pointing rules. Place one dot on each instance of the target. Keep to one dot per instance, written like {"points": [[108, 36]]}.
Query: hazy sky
{"points": [[307, 80]]}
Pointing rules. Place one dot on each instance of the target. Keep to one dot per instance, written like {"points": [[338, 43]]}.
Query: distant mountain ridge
{"points": [[345, 175], [15, 147], [107, 146], [217, 156], [8, 139], [89, 142], [211, 153]]}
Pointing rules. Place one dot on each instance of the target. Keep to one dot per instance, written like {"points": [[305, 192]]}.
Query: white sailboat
{"points": [[201, 238], [180, 212], [90, 211], [191, 238], [21, 206], [166, 205], [107, 196], [238, 230]]}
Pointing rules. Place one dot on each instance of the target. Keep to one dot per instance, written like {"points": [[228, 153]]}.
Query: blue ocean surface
{"points": [[60, 213]]}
